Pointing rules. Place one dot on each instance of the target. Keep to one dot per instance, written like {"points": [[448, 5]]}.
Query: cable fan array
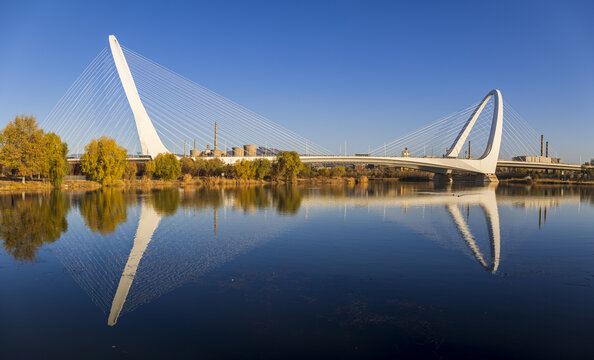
{"points": [[435, 139], [180, 110]]}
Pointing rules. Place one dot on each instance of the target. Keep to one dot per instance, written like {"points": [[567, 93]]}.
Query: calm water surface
{"points": [[386, 270]]}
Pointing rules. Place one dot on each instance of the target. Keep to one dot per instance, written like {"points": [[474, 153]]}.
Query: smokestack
{"points": [[469, 149], [547, 149], [216, 131], [541, 143], [194, 144]]}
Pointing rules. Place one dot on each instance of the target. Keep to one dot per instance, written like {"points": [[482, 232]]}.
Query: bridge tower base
{"points": [[487, 178], [442, 178]]}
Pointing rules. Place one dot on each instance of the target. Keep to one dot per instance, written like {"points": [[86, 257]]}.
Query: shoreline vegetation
{"points": [[33, 160], [33, 185]]}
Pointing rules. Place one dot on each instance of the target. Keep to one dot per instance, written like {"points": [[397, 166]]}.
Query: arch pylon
{"points": [[150, 142], [489, 157]]}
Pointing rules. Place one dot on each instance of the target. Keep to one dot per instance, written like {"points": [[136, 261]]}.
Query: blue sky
{"points": [[366, 72]]}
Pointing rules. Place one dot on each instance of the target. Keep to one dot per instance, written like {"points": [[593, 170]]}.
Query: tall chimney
{"points": [[216, 131], [547, 149], [541, 143], [194, 144], [469, 149]]}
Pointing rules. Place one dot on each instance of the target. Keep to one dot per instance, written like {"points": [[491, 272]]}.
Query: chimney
{"points": [[469, 149], [194, 144], [216, 131], [541, 143], [547, 149]]}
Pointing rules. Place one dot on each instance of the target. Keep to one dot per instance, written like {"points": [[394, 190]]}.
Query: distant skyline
{"points": [[365, 72]]}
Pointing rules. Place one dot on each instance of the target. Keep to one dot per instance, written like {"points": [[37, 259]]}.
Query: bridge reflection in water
{"points": [[169, 250]]}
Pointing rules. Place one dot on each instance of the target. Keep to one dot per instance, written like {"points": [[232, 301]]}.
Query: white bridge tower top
{"points": [[150, 142]]}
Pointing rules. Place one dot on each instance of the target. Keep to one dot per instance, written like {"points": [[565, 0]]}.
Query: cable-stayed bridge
{"points": [[150, 109]]}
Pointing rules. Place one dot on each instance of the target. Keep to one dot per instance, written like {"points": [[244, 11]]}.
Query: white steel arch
{"points": [[150, 142], [494, 144]]}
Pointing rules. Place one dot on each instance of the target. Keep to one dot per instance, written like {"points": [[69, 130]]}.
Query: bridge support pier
{"points": [[487, 178], [442, 178]]}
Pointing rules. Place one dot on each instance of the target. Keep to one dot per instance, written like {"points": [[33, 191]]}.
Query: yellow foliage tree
{"points": [[21, 150], [104, 160]]}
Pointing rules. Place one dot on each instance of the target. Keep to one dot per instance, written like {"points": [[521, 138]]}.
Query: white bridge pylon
{"points": [[150, 142]]}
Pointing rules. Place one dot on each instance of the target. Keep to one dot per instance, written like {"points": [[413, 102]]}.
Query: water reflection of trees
{"points": [[105, 209], [28, 222], [166, 201], [252, 198], [287, 199]]}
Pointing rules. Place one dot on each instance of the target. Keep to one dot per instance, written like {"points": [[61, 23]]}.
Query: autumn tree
{"points": [[288, 164], [245, 169], [262, 168], [187, 165], [55, 165], [21, 150], [104, 160], [167, 166], [337, 171], [130, 170]]}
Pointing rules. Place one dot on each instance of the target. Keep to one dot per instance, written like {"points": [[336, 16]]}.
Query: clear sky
{"points": [[365, 71]]}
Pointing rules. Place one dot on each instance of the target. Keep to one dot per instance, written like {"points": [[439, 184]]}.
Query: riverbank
{"points": [[530, 181], [15, 186]]}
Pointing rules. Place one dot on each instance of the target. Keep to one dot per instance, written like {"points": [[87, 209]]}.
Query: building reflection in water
{"points": [[127, 248]]}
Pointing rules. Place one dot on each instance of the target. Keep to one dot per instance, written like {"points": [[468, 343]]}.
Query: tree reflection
{"points": [[28, 222], [287, 199], [166, 201], [105, 209], [252, 198]]}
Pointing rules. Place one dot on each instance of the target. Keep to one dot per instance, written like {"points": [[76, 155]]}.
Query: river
{"points": [[380, 270]]}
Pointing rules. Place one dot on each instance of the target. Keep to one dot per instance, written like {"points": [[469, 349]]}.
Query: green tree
{"points": [[104, 160], [167, 166], [21, 150], [55, 164], [288, 164]]}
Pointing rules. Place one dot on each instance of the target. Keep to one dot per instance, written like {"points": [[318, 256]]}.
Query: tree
{"points": [[337, 171], [21, 148], [55, 164], [167, 166], [245, 169], [130, 170], [262, 168], [149, 168], [104, 160], [288, 164], [187, 165]]}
